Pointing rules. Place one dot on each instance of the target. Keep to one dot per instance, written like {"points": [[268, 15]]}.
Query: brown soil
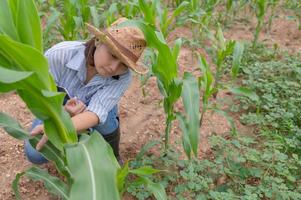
{"points": [[142, 118]]}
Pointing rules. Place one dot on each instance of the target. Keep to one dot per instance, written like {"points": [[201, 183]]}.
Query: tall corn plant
{"points": [[89, 165], [164, 67]]}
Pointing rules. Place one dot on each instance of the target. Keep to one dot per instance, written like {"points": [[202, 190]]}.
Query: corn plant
{"points": [[273, 5], [206, 84], [71, 16], [164, 67], [129, 9], [88, 162], [199, 16], [154, 8], [165, 21], [260, 11], [209, 82], [191, 122], [223, 48]]}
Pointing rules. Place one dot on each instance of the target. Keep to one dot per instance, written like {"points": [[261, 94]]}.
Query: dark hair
{"points": [[89, 54]]}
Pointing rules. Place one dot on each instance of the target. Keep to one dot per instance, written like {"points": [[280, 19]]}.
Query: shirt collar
{"points": [[78, 63]]}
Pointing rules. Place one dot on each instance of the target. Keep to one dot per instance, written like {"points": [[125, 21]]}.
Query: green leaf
{"points": [[8, 76], [220, 38], [95, 16], [191, 101], [176, 48], [15, 186], [12, 127], [7, 25], [53, 184], [206, 81], [237, 56], [146, 147], [156, 188], [245, 92], [52, 20], [185, 135], [92, 169], [50, 152], [28, 24], [121, 177], [11, 79], [148, 11], [146, 170], [21, 56]]}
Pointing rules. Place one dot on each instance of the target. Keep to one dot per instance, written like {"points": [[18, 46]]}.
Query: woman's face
{"points": [[106, 63]]}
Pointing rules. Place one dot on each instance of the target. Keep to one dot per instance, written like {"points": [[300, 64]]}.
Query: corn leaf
{"points": [[190, 96], [244, 92], [53, 184], [28, 24], [12, 127], [185, 135], [92, 169], [7, 25], [237, 56]]}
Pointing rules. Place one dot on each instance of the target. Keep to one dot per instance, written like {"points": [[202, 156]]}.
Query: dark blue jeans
{"points": [[110, 125]]}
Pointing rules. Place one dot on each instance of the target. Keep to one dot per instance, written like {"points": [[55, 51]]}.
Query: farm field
{"points": [[217, 116]]}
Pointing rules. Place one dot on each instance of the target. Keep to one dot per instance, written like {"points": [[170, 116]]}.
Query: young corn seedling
{"points": [[166, 21], [72, 15], [210, 84], [150, 10], [129, 9], [199, 16], [89, 165], [223, 48], [191, 122], [260, 11]]}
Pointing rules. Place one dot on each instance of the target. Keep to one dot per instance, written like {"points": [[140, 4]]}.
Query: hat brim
{"points": [[138, 68]]}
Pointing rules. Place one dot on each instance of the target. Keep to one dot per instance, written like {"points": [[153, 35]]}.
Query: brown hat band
{"points": [[124, 50]]}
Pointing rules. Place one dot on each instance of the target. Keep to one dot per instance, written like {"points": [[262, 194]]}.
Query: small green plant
{"points": [[240, 167], [260, 11], [276, 82]]}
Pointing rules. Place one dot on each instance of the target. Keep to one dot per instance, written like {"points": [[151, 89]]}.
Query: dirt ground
{"points": [[142, 118]]}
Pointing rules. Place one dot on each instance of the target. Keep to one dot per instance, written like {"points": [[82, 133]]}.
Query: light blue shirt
{"points": [[67, 64]]}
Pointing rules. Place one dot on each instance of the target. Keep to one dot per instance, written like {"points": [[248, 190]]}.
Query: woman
{"points": [[95, 74]]}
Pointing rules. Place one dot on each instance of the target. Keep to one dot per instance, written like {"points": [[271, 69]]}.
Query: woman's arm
{"points": [[85, 120], [81, 122]]}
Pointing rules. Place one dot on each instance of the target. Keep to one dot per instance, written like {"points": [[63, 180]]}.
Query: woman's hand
{"points": [[74, 106], [39, 130]]}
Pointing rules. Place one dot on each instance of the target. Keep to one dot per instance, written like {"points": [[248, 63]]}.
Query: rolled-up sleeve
{"points": [[106, 98]]}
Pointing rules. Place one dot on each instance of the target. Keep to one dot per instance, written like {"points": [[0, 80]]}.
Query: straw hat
{"points": [[126, 43]]}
